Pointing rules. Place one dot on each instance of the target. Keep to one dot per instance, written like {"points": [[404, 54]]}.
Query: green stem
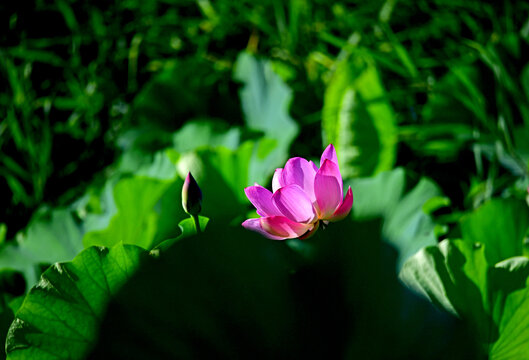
{"points": [[197, 223]]}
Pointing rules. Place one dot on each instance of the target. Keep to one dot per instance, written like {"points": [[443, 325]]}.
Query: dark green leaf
{"points": [[229, 292]]}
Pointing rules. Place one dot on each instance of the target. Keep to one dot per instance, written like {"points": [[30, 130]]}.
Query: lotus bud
{"points": [[191, 196]]}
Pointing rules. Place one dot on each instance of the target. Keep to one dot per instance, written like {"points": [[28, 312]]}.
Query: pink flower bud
{"points": [[191, 196]]}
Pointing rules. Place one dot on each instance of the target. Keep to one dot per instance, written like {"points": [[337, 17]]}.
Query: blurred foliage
{"points": [[105, 107], [77, 74], [407, 226], [358, 119]]}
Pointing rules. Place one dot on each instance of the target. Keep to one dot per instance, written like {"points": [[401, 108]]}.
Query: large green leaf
{"points": [[139, 163], [141, 208], [49, 238], [510, 277], [7, 314], [136, 219], [265, 100], [358, 119], [494, 300], [60, 316], [453, 275], [187, 228], [500, 224], [201, 133], [406, 225], [482, 278], [97, 208], [228, 292]]}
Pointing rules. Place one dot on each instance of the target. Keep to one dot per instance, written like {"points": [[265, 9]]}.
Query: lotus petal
{"points": [[255, 225], [261, 198], [345, 207], [294, 203], [300, 172], [280, 226], [328, 189], [329, 154]]}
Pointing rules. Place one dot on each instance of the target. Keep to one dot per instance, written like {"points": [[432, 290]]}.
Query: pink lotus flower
{"points": [[303, 197]]}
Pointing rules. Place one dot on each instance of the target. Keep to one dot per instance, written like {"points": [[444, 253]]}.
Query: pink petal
{"points": [[294, 203], [328, 189], [261, 198], [283, 227], [277, 182], [345, 207], [300, 172], [255, 225], [329, 154]]}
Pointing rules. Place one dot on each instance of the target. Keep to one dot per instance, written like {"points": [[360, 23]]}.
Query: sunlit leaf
{"points": [[482, 277], [187, 228], [358, 119], [265, 100], [406, 225], [49, 238], [501, 225], [200, 133], [60, 316], [136, 219]]}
